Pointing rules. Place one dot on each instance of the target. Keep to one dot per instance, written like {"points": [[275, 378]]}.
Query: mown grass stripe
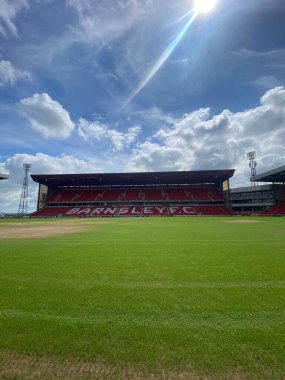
{"points": [[222, 320]]}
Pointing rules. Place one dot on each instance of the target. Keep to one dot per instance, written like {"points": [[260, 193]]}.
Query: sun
{"points": [[204, 6]]}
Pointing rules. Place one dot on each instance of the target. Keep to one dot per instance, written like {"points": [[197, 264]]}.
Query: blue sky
{"points": [[68, 66]]}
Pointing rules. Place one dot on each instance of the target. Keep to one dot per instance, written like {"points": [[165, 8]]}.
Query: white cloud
{"points": [[270, 54], [9, 74], [99, 24], [41, 164], [197, 141], [100, 132], [8, 13], [47, 116], [267, 81], [79, 5], [133, 8], [271, 59]]}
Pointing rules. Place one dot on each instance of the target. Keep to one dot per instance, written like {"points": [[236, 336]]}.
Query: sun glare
{"points": [[204, 6]]}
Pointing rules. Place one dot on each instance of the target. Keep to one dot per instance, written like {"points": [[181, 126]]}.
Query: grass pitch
{"points": [[167, 298]]}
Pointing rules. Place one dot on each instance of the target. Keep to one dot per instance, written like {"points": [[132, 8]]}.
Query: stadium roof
{"points": [[3, 176], [275, 175], [135, 179]]}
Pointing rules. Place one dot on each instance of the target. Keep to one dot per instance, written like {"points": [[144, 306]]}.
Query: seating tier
{"points": [[137, 195], [132, 211], [276, 210]]}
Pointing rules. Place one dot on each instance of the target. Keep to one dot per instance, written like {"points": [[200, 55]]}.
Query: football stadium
{"points": [[178, 194], [185, 193], [144, 275], [151, 273]]}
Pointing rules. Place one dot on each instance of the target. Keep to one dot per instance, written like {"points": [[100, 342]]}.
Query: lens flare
{"points": [[159, 62], [204, 6], [200, 6]]}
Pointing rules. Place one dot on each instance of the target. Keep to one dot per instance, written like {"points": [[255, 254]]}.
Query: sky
{"points": [[69, 70]]}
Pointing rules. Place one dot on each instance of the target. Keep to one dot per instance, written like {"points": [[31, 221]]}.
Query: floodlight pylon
{"points": [[252, 164], [23, 205]]}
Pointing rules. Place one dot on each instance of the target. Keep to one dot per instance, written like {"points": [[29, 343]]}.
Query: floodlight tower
{"points": [[23, 206], [252, 164]]}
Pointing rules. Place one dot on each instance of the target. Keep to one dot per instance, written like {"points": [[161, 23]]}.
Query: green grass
{"points": [[159, 295]]}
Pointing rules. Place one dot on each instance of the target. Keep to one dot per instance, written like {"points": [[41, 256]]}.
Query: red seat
{"points": [[276, 210], [50, 212], [131, 195], [153, 195], [110, 195], [177, 194], [88, 196]]}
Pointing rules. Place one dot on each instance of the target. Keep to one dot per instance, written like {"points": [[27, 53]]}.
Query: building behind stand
{"points": [[261, 198]]}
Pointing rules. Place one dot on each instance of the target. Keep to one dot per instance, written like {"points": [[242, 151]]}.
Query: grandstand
{"points": [[265, 199], [277, 178], [184, 193], [253, 199]]}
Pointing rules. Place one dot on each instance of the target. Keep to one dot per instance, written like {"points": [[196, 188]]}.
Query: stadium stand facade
{"points": [[277, 178], [253, 199], [187, 193], [265, 199]]}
